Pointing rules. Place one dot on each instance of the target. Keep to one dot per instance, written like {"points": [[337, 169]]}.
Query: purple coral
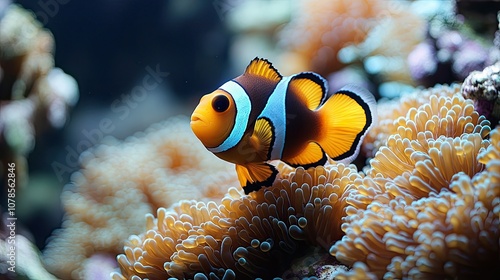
{"points": [[471, 56], [422, 61], [448, 56], [448, 44], [483, 87]]}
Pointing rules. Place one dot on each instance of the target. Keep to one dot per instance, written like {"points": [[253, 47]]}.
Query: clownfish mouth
{"points": [[196, 118]]}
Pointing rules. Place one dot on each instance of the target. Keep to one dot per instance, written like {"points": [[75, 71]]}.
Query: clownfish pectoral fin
{"points": [[254, 176], [262, 138], [311, 155], [310, 88], [345, 119], [263, 68]]}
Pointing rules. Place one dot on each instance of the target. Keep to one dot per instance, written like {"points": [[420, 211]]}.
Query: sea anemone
{"points": [[453, 233], [431, 144], [120, 182], [433, 210], [438, 111], [240, 236], [419, 167]]}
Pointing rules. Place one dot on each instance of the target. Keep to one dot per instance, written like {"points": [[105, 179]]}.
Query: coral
{"points": [[315, 262], [120, 182], [453, 46], [359, 271], [422, 61], [98, 267], [254, 25], [483, 87], [324, 36], [33, 94], [327, 36], [386, 47], [348, 75], [238, 237], [469, 57], [447, 58], [316, 34]]}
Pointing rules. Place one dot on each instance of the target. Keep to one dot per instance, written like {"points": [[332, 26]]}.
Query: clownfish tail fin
{"points": [[345, 119]]}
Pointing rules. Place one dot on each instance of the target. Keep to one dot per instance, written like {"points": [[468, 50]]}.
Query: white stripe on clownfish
{"points": [[275, 111], [243, 108]]}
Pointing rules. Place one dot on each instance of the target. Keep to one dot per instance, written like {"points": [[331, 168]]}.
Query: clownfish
{"points": [[261, 116]]}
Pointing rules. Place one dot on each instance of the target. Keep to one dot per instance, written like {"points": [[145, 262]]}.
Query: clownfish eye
{"points": [[220, 103]]}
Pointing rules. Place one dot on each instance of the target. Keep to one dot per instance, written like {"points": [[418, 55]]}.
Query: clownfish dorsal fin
{"points": [[311, 155], [262, 138], [310, 87], [263, 68]]}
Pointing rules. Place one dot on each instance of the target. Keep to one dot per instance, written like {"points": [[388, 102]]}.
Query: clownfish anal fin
{"points": [[310, 88], [262, 138], [254, 176], [263, 68], [243, 174], [311, 155]]}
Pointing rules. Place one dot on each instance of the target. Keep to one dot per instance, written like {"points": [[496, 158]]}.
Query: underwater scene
{"points": [[249, 139]]}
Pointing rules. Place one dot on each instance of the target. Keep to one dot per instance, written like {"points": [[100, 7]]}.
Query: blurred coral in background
{"points": [[370, 39], [329, 35], [143, 199], [34, 96], [120, 183]]}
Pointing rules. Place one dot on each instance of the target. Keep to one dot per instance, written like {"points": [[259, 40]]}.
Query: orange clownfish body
{"points": [[262, 116]]}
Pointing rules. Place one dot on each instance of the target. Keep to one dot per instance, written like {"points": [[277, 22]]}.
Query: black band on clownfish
{"points": [[262, 116]]}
